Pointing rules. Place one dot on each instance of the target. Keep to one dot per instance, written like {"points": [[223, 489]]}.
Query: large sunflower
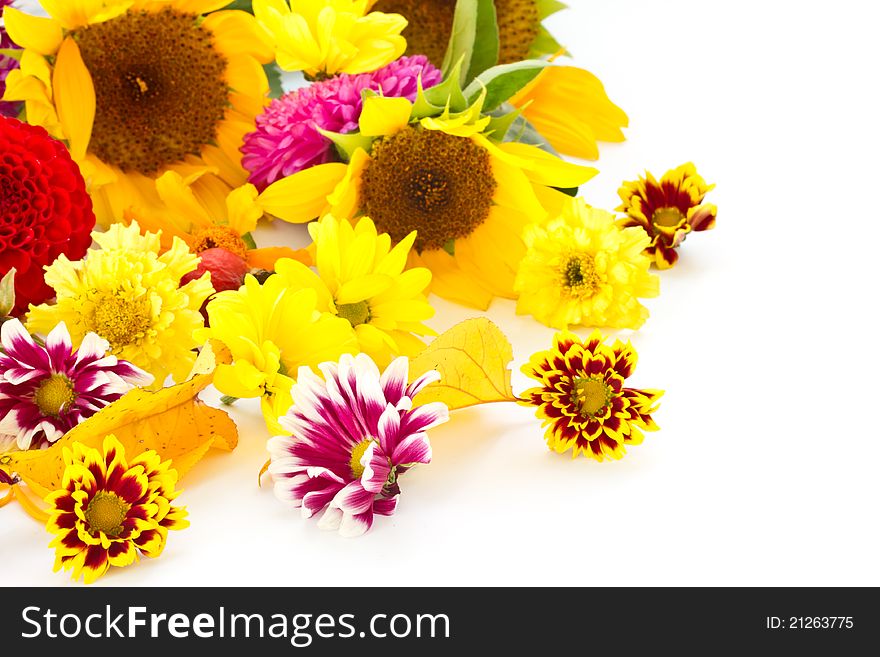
{"points": [[467, 196], [140, 87]]}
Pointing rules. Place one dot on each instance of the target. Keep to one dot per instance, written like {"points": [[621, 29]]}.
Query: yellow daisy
{"points": [[581, 269], [131, 296], [272, 330], [467, 196], [326, 37], [366, 282], [140, 87]]}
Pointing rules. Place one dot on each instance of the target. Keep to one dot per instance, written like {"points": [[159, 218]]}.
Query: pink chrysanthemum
{"points": [[47, 390], [353, 434], [287, 139], [6, 64]]}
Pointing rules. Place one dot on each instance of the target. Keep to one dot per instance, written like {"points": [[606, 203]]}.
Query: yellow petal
{"points": [[42, 35], [74, 97], [384, 116], [78, 13], [362, 288], [547, 169], [303, 196]]}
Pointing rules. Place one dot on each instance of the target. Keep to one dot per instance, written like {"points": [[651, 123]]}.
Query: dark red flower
{"points": [[44, 208]]}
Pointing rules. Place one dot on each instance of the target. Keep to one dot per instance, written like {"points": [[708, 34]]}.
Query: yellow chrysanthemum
{"points": [[467, 196], [582, 269], [140, 87], [109, 509], [222, 219], [325, 37], [366, 282], [131, 296], [272, 330]]}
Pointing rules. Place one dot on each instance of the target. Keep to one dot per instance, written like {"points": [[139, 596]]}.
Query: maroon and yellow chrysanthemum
{"points": [[582, 400], [108, 509], [668, 210]]}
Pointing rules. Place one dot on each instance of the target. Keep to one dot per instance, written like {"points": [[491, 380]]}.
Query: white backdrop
{"points": [[764, 472]]}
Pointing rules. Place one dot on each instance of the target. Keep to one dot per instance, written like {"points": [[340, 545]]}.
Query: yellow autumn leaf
{"points": [[472, 358], [172, 421]]}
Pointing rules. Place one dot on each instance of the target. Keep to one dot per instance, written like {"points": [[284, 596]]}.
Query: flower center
{"points": [[106, 513], [356, 313], [357, 470], [579, 276], [428, 181], [159, 88], [429, 25], [54, 395], [518, 24], [667, 217], [591, 396], [222, 237], [121, 321]]}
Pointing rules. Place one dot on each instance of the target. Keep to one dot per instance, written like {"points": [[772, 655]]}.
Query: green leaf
{"points": [[570, 191], [447, 94], [549, 7], [545, 44], [502, 82], [486, 43], [248, 240], [474, 38], [7, 293], [244, 5], [346, 144], [273, 74]]}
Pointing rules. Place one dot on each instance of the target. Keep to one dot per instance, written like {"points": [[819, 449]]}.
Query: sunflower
{"points": [[366, 282], [668, 210], [109, 509], [223, 219], [581, 268], [140, 88], [467, 196], [130, 295], [581, 397], [325, 37]]}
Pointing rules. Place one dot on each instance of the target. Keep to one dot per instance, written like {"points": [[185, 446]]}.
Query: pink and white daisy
{"points": [[353, 434], [287, 139], [47, 390]]}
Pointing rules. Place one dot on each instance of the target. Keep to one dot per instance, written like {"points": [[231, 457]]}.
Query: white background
{"points": [[765, 470]]}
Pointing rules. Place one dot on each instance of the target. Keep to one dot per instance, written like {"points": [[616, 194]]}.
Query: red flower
{"points": [[44, 208]]}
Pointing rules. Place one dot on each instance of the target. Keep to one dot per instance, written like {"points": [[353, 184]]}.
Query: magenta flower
{"points": [[353, 434], [47, 390], [6, 64], [287, 139]]}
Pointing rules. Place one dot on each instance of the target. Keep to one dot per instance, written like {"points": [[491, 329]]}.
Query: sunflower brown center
{"points": [[121, 321], [428, 181], [667, 217], [54, 395], [159, 88], [106, 513], [222, 237], [357, 470], [518, 23], [429, 25], [579, 276], [591, 396], [356, 313]]}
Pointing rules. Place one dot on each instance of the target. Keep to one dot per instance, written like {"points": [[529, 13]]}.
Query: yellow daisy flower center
{"points": [[667, 217], [356, 313], [106, 513], [579, 276], [219, 237], [428, 181], [54, 395], [357, 470], [591, 396], [159, 88], [120, 321]]}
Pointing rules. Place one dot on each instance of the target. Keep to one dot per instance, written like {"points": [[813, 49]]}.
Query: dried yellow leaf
{"points": [[473, 359]]}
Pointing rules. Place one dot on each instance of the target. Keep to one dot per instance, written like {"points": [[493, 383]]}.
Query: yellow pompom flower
{"points": [[271, 331], [140, 87], [366, 282], [131, 296], [326, 37], [582, 269]]}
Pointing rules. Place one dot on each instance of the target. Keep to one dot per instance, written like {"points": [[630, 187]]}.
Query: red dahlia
{"points": [[44, 208]]}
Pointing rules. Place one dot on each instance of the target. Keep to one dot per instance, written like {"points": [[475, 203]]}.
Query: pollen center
{"points": [[222, 237], [160, 91], [54, 395], [121, 321], [518, 24], [429, 25], [106, 513], [579, 276], [591, 396], [668, 217], [357, 470], [356, 313], [428, 181]]}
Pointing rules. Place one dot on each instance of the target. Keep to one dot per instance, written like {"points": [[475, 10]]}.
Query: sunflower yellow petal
{"points": [[42, 35], [303, 196], [384, 116], [74, 95]]}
